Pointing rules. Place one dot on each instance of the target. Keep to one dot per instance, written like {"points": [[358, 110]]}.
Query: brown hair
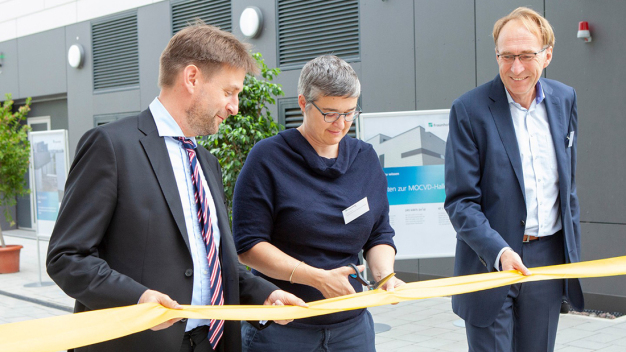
{"points": [[205, 46], [533, 21]]}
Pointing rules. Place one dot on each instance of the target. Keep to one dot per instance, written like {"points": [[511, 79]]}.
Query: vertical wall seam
{"points": [[414, 58], [475, 48]]}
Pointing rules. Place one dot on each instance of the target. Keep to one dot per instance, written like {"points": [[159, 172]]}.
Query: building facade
{"points": [[409, 55]]}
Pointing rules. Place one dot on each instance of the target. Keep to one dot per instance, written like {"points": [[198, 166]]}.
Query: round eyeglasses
{"points": [[526, 57], [332, 116]]}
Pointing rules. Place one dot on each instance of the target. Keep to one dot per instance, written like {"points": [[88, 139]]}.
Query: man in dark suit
{"points": [[511, 191], [128, 230]]}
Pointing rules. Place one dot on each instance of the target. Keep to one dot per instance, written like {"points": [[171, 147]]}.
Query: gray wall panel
{"points": [[79, 85], [42, 68], [265, 42], [604, 241], [155, 31], [117, 102], [596, 71], [387, 56], [9, 82], [445, 64], [289, 81], [440, 267], [487, 13], [56, 109], [425, 269]]}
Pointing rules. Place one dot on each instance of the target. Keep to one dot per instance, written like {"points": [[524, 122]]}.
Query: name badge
{"points": [[355, 210]]}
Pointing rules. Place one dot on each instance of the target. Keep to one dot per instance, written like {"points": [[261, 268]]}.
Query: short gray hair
{"points": [[328, 76]]}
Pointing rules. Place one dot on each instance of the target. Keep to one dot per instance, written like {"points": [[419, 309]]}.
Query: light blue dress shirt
{"points": [[539, 166], [169, 129]]}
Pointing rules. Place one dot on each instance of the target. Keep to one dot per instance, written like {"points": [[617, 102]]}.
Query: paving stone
{"points": [[574, 349]]}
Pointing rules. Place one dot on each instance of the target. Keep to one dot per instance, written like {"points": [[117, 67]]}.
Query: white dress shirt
{"points": [[169, 129], [539, 166]]}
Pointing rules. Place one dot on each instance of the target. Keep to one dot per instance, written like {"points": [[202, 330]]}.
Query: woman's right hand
{"points": [[335, 282]]}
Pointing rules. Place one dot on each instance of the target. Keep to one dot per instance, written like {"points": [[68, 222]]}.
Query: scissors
{"points": [[371, 285]]}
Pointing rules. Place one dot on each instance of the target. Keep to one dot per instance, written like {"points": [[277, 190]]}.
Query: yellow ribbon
{"points": [[81, 329]]}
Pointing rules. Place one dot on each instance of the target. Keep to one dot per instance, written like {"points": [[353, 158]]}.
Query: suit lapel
{"points": [[155, 149], [501, 114], [558, 130]]}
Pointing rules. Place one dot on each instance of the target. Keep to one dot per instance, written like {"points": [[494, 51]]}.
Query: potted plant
{"points": [[238, 134], [14, 158]]}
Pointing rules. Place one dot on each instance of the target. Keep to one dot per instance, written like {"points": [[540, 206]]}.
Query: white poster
{"points": [[411, 148], [50, 165]]}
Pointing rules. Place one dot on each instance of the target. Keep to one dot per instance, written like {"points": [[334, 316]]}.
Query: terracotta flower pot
{"points": [[10, 258]]}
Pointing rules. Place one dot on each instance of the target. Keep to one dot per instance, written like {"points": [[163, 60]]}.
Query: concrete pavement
{"points": [[416, 326]]}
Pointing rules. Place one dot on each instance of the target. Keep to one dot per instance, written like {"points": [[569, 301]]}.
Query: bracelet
{"points": [[293, 271]]}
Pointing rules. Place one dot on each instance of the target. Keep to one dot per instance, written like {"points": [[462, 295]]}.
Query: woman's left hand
{"points": [[390, 285]]}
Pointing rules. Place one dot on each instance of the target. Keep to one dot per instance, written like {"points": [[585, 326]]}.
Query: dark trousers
{"points": [[529, 317], [196, 340]]}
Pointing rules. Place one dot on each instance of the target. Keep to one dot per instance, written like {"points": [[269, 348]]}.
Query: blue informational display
{"points": [[47, 206], [415, 184]]}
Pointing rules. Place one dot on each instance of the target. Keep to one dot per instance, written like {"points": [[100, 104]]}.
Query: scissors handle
{"points": [[359, 276]]}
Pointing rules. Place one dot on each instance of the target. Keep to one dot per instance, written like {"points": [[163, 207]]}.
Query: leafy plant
{"points": [[14, 156], [238, 134]]}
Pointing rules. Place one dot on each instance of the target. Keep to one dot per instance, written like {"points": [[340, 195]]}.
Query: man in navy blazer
{"points": [[511, 191]]}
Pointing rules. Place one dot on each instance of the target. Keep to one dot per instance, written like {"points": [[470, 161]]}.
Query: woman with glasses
{"points": [[306, 203]]}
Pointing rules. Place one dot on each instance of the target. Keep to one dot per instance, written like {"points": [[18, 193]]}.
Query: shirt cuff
{"points": [[497, 263]]}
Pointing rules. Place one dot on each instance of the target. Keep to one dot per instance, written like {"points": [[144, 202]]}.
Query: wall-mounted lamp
{"points": [[1, 61], [583, 31], [251, 21], [76, 56]]}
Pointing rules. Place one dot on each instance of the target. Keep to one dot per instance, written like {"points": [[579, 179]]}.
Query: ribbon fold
{"points": [[81, 329]]}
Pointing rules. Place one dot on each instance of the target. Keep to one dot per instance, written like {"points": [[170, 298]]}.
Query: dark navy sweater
{"points": [[291, 197]]}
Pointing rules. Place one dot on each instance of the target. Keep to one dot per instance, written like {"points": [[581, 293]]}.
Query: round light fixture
{"points": [[76, 56], [251, 21]]}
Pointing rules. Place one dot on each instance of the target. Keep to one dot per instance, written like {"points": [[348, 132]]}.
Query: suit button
{"points": [[523, 223], [189, 272], [183, 320]]}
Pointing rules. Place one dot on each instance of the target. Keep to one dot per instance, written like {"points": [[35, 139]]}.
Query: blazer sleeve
{"points": [[88, 205], [463, 189], [573, 196]]}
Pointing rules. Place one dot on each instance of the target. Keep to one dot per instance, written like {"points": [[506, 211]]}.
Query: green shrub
{"points": [[14, 155]]}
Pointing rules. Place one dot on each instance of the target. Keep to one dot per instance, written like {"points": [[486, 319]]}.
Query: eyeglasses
{"points": [[331, 117], [526, 57]]}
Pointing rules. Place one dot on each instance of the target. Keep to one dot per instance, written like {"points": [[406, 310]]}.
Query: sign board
{"points": [[411, 148], [50, 165]]}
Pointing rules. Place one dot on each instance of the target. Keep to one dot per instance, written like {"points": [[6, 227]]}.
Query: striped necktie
{"points": [[216, 328]]}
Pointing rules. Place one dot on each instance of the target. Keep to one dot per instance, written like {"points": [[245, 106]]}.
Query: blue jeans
{"points": [[358, 335]]}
